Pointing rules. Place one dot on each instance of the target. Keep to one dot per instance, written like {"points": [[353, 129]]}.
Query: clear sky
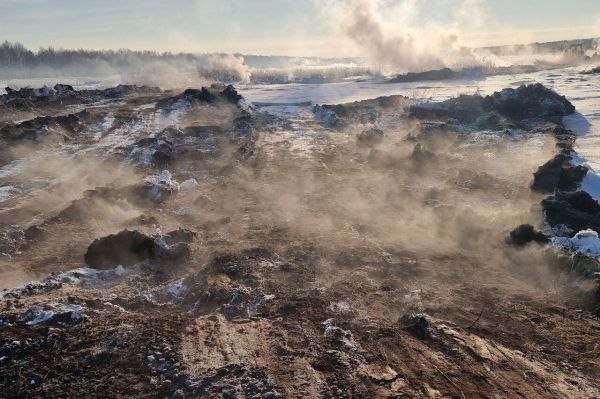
{"points": [[264, 26]]}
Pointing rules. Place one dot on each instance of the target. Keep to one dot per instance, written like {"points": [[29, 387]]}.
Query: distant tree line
{"points": [[17, 55], [19, 62], [559, 46]]}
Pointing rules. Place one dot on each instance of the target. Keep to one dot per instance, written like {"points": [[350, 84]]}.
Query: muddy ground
{"points": [[355, 251]]}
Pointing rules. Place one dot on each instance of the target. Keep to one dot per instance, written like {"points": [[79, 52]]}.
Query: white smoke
{"points": [[396, 42], [226, 67]]}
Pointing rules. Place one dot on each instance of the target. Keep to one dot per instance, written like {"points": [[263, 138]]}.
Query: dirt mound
{"points": [[558, 174], [575, 210], [26, 98], [204, 95], [128, 247], [440, 74], [125, 248], [516, 105], [526, 233]]}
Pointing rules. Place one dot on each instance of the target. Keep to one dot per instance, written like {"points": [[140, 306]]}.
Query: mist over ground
{"points": [[22, 67], [410, 216]]}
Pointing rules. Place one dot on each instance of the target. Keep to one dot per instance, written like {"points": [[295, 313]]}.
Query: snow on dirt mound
{"points": [[584, 241], [514, 105]]}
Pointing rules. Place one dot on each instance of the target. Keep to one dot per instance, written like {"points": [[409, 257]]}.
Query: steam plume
{"points": [[397, 43]]}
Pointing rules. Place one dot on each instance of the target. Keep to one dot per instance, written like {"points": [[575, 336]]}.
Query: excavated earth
{"points": [[159, 244]]}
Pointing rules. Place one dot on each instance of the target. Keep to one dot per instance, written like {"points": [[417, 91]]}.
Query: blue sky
{"points": [[263, 26]]}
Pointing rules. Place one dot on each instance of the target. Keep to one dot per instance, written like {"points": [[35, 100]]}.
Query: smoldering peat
{"points": [[199, 244]]}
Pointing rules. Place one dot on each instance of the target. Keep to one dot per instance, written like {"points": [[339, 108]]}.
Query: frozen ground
{"points": [[282, 255], [582, 90]]}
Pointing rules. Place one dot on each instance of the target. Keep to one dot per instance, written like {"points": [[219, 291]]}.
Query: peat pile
{"points": [[339, 116], [359, 255], [438, 74], [526, 107], [466, 73], [26, 98], [569, 213]]}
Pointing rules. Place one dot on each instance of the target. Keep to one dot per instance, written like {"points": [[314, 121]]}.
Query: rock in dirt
{"points": [[378, 372], [417, 325], [173, 246], [531, 101], [593, 71], [593, 301], [202, 96], [340, 337], [161, 187], [331, 116], [61, 88], [157, 150], [526, 233]]}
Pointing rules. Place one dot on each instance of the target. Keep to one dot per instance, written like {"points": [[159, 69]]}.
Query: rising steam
{"points": [[397, 44]]}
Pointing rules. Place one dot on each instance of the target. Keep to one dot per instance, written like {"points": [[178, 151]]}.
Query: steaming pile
{"points": [[189, 244]]}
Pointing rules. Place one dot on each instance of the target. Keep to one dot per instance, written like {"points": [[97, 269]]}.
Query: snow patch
{"points": [[85, 277], [36, 315], [577, 123], [15, 167], [7, 192], [165, 176], [44, 91], [61, 313], [585, 242], [176, 289]]}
